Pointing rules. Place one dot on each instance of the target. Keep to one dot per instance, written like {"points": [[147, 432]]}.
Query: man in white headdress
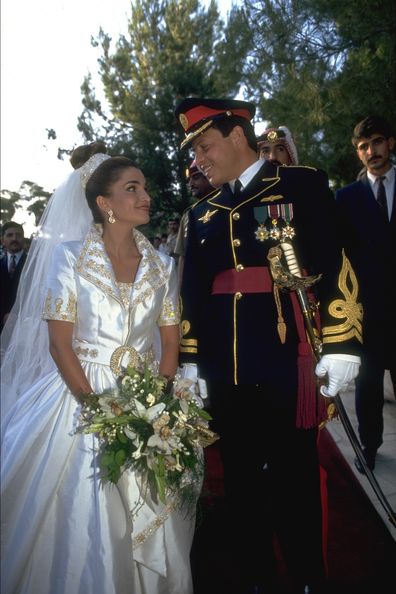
{"points": [[277, 145]]}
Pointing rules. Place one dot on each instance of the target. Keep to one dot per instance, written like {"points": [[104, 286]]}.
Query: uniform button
{"points": [[240, 267], [236, 216], [236, 242], [238, 296]]}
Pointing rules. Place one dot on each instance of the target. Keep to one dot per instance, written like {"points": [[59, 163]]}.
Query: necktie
{"points": [[12, 267], [381, 197], [237, 188]]}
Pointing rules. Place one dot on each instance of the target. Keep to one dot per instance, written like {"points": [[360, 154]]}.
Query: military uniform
{"points": [[180, 248], [249, 343], [232, 335]]}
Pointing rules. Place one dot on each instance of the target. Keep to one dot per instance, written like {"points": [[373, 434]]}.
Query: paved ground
{"points": [[385, 466]]}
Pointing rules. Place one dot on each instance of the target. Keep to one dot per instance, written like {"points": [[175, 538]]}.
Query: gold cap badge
{"points": [[272, 136], [183, 120]]}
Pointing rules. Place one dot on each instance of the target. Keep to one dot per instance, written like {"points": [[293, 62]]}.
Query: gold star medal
{"points": [[260, 214], [261, 233], [288, 232], [274, 232]]}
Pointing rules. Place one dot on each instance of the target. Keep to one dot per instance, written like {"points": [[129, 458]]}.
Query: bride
{"points": [[100, 285]]}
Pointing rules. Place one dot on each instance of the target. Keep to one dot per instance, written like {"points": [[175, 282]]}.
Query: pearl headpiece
{"points": [[89, 167]]}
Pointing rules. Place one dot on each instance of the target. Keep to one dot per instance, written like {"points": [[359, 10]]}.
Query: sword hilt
{"points": [[306, 306], [291, 259]]}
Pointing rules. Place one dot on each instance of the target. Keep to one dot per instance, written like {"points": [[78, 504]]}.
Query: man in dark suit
{"points": [[368, 215], [11, 264], [247, 339]]}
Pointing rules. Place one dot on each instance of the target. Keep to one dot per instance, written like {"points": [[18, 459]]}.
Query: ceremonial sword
{"points": [[293, 280]]}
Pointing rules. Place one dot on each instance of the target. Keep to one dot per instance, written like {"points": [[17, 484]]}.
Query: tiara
{"points": [[89, 167]]}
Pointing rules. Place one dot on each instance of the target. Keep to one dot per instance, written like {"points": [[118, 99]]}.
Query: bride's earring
{"points": [[111, 218]]}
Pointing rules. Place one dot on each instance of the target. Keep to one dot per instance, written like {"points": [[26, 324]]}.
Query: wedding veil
{"points": [[24, 340]]}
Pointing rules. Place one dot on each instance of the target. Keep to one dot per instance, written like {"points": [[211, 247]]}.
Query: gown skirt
{"points": [[64, 531]]}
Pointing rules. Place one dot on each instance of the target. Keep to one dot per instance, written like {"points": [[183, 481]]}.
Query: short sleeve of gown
{"points": [[170, 312], [61, 298]]}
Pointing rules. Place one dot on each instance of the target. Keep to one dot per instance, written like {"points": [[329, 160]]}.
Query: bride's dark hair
{"points": [[99, 183], [81, 154]]}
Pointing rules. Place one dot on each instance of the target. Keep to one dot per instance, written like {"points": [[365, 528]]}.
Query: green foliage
{"points": [[320, 66], [316, 66], [173, 49], [8, 202], [31, 198]]}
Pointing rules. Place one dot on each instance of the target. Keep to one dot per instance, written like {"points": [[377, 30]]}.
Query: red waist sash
{"points": [[254, 279]]}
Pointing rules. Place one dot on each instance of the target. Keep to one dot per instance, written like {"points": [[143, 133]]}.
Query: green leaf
{"points": [[120, 457], [204, 414], [107, 458], [161, 487], [122, 437]]}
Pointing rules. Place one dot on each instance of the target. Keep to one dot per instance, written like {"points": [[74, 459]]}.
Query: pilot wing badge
{"points": [[207, 216]]}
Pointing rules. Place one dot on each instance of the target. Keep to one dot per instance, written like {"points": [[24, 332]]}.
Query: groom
{"points": [[248, 340]]}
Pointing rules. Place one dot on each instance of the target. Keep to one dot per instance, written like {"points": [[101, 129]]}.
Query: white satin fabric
{"points": [[63, 531]]}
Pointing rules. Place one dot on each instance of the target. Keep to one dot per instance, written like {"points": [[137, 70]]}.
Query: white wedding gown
{"points": [[63, 530]]}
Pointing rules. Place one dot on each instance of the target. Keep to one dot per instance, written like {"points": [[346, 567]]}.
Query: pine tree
{"points": [[174, 49]]}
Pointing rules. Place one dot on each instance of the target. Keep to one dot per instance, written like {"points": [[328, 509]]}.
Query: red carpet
{"points": [[361, 551]]}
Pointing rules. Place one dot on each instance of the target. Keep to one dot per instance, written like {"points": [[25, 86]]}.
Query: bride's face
{"points": [[128, 198]]}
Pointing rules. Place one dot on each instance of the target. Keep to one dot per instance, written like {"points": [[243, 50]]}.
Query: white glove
{"points": [[341, 370], [190, 371]]}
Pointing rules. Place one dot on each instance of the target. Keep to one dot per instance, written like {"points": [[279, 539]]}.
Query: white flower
{"points": [[126, 380], [155, 441], [166, 443], [150, 413], [110, 406], [131, 434], [184, 405], [184, 389], [173, 463], [150, 399], [161, 422], [138, 453], [178, 466], [163, 438], [181, 417]]}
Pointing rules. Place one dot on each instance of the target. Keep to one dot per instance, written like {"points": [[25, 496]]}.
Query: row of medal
{"points": [[274, 222]]}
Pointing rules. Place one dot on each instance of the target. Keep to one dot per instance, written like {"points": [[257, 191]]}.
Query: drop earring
{"points": [[111, 218]]}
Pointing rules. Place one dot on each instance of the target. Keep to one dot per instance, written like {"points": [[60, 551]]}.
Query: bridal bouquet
{"points": [[153, 428]]}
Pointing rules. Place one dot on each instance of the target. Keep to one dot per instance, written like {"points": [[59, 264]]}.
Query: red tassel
{"points": [[306, 416], [311, 408]]}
